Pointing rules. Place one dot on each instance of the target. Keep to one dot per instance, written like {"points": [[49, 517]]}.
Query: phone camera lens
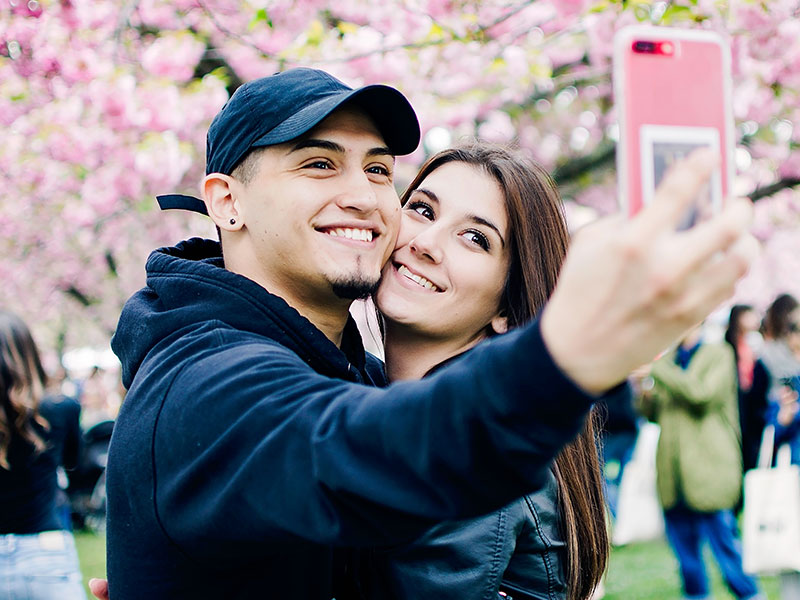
{"points": [[644, 47]]}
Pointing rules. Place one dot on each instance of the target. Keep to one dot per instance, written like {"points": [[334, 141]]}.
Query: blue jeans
{"points": [[40, 566], [686, 531]]}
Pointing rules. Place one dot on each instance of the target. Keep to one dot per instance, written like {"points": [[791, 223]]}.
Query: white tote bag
{"points": [[771, 529], [639, 515]]}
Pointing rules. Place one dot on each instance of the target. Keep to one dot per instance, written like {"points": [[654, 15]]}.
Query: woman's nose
{"points": [[427, 245]]}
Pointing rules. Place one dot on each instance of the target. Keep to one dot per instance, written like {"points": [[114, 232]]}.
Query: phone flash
{"points": [[667, 48]]}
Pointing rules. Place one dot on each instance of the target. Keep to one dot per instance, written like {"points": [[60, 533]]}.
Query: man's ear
{"points": [[219, 194], [499, 324]]}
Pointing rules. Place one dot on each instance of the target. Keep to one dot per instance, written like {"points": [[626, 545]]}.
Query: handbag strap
{"points": [[766, 448], [784, 456]]}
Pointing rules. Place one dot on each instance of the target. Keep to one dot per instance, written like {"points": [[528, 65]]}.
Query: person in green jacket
{"points": [[691, 393]]}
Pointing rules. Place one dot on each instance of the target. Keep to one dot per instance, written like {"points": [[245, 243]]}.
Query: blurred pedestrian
{"points": [[37, 434], [781, 354], [618, 434], [784, 407], [94, 398], [752, 380], [698, 463], [780, 322]]}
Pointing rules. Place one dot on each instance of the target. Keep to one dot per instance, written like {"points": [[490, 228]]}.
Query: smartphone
{"points": [[672, 91]]}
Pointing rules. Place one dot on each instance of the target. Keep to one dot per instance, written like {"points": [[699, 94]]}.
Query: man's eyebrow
{"points": [[338, 148], [317, 143], [380, 151], [470, 217]]}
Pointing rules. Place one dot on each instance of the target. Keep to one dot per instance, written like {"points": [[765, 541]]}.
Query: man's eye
{"points": [[421, 208], [477, 238], [379, 170], [319, 164]]}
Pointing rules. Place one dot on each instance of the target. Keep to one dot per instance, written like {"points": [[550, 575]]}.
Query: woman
{"points": [[37, 434], [752, 381], [780, 322], [481, 243]]}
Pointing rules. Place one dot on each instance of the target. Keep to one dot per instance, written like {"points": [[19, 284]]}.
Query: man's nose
{"points": [[358, 193]]}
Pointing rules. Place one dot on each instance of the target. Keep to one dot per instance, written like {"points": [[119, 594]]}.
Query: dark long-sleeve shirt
{"points": [[28, 489]]}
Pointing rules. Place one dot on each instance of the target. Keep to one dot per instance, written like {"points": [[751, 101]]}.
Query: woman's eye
{"points": [[477, 238], [421, 208]]}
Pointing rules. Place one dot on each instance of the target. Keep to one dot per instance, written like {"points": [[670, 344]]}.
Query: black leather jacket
{"points": [[519, 549]]}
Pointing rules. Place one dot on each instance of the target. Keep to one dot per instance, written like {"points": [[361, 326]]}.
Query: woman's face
{"points": [[446, 275], [793, 339], [749, 321]]}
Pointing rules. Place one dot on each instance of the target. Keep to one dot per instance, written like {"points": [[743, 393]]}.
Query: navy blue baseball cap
{"points": [[279, 108]]}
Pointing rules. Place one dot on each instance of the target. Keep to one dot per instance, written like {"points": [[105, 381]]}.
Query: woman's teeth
{"points": [[403, 270]]}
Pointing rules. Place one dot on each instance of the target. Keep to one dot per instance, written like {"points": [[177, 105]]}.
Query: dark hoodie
{"points": [[249, 447]]}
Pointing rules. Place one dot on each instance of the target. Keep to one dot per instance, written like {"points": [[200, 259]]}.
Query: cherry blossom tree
{"points": [[104, 104]]}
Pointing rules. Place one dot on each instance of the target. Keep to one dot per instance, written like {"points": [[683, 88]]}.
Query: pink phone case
{"points": [[672, 89]]}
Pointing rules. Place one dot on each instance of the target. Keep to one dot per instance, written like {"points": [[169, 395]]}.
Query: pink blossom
{"points": [[497, 127], [571, 8], [99, 113], [173, 56], [790, 168]]}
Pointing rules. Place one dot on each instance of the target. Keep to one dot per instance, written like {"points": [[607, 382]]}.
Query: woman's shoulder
{"points": [[537, 568], [540, 518]]}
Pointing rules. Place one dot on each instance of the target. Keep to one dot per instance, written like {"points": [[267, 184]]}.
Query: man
{"points": [[251, 449], [693, 397]]}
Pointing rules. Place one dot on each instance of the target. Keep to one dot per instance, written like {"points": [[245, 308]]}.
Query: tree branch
{"points": [[78, 295], [212, 61], [773, 188], [603, 156]]}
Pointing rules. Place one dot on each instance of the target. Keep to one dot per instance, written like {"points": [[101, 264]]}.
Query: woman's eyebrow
{"points": [[429, 193], [482, 221]]}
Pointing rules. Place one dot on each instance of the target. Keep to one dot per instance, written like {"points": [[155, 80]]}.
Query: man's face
{"points": [[322, 212]]}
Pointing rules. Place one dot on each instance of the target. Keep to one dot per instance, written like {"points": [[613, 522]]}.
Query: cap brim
{"points": [[388, 108]]}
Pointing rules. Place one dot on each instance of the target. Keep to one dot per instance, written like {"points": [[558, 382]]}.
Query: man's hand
{"points": [[630, 288], [99, 588]]}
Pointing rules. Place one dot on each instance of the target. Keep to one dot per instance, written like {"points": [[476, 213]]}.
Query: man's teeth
{"points": [[416, 278], [364, 235]]}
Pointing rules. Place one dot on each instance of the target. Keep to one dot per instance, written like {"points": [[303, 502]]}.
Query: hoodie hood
{"points": [[188, 285]]}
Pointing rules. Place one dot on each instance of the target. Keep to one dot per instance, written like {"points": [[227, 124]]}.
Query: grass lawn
{"points": [[649, 571], [92, 555], [637, 572]]}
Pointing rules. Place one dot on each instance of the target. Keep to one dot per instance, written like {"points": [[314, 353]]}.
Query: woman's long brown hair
{"points": [[22, 383], [538, 245]]}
